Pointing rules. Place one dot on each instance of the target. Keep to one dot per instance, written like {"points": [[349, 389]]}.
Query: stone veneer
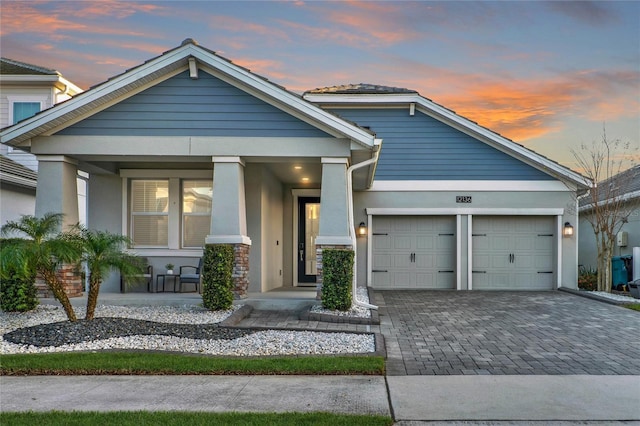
{"points": [[319, 248], [240, 270], [71, 279]]}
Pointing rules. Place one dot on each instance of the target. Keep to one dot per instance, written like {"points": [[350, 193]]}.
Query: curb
{"points": [[595, 297], [238, 315]]}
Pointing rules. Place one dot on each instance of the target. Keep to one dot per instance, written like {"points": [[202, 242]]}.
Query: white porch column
{"points": [[334, 207], [228, 211], [57, 189]]}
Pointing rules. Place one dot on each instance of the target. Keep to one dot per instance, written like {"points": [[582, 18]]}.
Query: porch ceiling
{"points": [[292, 171]]}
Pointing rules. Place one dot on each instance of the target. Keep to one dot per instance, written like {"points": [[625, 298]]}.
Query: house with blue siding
{"points": [[189, 149]]}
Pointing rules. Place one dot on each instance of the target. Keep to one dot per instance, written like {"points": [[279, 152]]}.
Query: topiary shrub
{"points": [[217, 281], [18, 294], [337, 277]]}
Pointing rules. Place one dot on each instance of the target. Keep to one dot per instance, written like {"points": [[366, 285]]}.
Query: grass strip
{"points": [[632, 306], [145, 363], [141, 418]]}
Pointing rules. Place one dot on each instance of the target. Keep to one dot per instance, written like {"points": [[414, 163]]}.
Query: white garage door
{"points": [[513, 253], [414, 252]]}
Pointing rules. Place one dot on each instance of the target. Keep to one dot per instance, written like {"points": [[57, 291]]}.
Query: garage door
{"points": [[414, 252], [513, 253]]}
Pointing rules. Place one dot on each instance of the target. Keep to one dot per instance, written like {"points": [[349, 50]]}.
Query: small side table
{"points": [[164, 281]]}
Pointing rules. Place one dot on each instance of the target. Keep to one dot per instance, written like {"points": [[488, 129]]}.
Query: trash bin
{"points": [[619, 274]]}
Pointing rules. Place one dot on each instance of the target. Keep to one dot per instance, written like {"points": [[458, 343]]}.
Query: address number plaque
{"points": [[463, 198]]}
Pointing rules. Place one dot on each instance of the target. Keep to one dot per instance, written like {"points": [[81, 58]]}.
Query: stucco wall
{"points": [[105, 214], [16, 201]]}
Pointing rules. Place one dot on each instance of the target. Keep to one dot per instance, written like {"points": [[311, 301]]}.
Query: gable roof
{"points": [[625, 184], [164, 66], [17, 174], [10, 66], [360, 89], [371, 94], [21, 73]]}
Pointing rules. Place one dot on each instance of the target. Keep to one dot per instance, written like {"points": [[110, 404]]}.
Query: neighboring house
{"points": [[628, 184], [25, 90], [17, 190], [189, 148]]}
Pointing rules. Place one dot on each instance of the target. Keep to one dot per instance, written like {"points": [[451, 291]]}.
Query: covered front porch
{"points": [[290, 299]]}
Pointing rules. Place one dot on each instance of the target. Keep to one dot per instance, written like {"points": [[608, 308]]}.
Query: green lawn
{"points": [[95, 363], [634, 306], [142, 418]]}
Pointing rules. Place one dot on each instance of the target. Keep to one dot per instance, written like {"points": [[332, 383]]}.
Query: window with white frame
{"points": [[150, 212], [196, 211], [22, 107], [169, 213]]}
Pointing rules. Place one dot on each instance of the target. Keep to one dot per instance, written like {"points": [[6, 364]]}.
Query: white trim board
{"points": [[470, 185]]}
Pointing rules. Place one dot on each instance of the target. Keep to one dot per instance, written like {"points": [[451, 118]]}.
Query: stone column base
{"points": [[240, 270], [71, 280]]}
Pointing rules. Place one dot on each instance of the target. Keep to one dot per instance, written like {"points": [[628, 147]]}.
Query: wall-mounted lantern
{"points": [[362, 229], [567, 230]]}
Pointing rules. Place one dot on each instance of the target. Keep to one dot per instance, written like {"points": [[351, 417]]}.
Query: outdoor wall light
{"points": [[362, 229], [567, 231]]}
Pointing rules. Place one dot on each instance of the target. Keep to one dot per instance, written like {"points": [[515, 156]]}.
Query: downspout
{"points": [[350, 171]]}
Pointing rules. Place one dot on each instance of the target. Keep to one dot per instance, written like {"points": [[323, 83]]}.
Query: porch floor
{"points": [[283, 298]]}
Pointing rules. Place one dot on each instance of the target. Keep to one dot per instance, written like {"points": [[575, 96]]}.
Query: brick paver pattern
{"points": [[436, 333], [473, 332]]}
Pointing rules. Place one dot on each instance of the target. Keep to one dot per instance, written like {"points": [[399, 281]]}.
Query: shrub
{"points": [[337, 277], [217, 282], [18, 291], [18, 294], [588, 279]]}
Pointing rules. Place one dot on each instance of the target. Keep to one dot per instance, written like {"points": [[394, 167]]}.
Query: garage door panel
{"points": [[513, 252], [402, 242], [382, 242], [400, 261], [444, 261], [415, 248], [425, 261], [425, 242]]}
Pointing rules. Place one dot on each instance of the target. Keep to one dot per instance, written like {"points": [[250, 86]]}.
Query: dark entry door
{"points": [[308, 224]]}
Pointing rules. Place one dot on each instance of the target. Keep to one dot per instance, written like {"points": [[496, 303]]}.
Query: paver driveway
{"points": [[450, 332]]}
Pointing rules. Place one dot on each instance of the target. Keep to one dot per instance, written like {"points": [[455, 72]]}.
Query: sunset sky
{"points": [[545, 74]]}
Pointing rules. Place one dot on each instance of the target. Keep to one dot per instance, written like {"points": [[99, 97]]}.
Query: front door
{"points": [[308, 225]]}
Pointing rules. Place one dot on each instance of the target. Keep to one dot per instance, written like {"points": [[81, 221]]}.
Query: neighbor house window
{"points": [[150, 212], [196, 212], [22, 110]]}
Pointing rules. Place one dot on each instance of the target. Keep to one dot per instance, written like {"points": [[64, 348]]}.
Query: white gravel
{"points": [[355, 311], [267, 342], [614, 296]]}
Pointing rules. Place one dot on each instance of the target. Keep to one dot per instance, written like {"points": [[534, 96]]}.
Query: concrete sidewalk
{"points": [[446, 399], [338, 394]]}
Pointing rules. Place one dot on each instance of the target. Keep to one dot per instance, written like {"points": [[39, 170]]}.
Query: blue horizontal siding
{"points": [[181, 106], [422, 148]]}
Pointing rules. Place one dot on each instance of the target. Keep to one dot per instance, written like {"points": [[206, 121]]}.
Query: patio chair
{"points": [[146, 276], [190, 278]]}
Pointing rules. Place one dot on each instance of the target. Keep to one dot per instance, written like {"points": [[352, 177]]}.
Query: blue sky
{"points": [[545, 74]]}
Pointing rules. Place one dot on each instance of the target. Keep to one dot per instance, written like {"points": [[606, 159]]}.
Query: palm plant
{"points": [[102, 252], [41, 253]]}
